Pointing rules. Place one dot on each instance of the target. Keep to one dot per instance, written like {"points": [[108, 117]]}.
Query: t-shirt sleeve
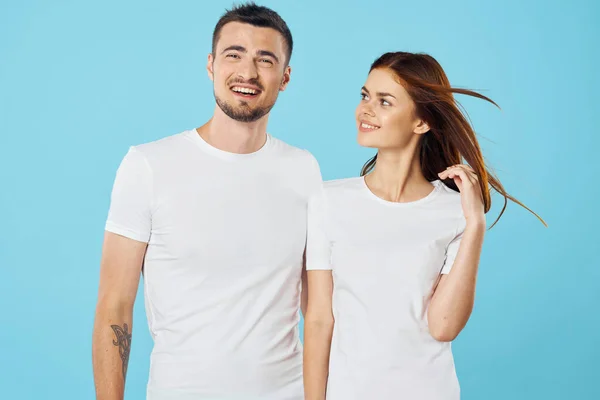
{"points": [[452, 249], [318, 249], [131, 199]]}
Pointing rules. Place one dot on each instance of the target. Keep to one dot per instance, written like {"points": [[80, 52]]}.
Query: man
{"points": [[220, 218]]}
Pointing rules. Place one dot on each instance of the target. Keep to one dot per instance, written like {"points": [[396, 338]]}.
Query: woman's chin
{"points": [[367, 140]]}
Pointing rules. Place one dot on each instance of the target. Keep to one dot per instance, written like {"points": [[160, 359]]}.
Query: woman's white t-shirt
{"points": [[386, 258]]}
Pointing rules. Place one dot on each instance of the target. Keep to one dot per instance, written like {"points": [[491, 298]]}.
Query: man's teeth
{"points": [[243, 90], [367, 126]]}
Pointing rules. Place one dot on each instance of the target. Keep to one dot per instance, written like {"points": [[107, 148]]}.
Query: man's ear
{"points": [[209, 67], [286, 78]]}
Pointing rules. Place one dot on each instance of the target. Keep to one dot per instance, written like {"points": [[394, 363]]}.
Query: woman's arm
{"points": [[318, 329], [453, 298]]}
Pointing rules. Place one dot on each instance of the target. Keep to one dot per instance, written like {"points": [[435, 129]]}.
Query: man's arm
{"points": [[120, 268], [304, 293], [318, 331]]}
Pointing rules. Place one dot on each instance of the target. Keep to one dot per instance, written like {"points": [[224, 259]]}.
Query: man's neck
{"points": [[234, 136]]}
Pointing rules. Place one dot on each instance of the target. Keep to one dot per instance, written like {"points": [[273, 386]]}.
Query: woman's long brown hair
{"points": [[451, 138]]}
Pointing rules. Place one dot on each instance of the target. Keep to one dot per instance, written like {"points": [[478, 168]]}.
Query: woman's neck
{"points": [[397, 177]]}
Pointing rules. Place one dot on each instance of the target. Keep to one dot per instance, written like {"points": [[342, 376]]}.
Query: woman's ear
{"points": [[421, 127]]}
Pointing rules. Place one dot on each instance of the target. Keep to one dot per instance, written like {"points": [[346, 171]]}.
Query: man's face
{"points": [[248, 70]]}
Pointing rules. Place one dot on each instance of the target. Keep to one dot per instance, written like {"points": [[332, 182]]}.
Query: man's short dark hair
{"points": [[263, 17]]}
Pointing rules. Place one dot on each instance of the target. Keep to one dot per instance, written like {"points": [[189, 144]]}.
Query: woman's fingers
{"points": [[465, 172]]}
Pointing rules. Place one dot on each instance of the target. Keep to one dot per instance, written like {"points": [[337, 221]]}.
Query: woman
{"points": [[405, 241]]}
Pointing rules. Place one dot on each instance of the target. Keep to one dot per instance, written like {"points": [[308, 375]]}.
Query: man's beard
{"points": [[243, 112]]}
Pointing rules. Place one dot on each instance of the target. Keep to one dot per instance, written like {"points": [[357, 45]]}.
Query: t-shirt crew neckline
{"points": [[436, 188], [226, 155]]}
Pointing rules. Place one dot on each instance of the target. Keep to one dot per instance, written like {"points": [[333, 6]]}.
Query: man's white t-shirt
{"points": [[386, 258], [226, 235]]}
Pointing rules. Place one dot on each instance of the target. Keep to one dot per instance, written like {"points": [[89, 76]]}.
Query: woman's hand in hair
{"points": [[470, 192]]}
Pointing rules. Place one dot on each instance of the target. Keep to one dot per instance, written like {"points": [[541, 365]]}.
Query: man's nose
{"points": [[247, 70]]}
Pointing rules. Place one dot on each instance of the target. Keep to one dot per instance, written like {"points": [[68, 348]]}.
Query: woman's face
{"points": [[385, 116]]}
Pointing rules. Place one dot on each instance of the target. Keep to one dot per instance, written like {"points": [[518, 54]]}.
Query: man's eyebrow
{"points": [[241, 49], [261, 53], [268, 53]]}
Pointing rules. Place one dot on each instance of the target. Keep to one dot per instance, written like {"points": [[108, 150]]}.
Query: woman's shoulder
{"points": [[342, 185], [445, 190], [447, 199]]}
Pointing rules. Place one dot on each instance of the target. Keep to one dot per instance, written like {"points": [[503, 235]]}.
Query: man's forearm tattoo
{"points": [[124, 343]]}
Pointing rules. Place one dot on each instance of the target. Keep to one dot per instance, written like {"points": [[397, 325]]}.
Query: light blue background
{"points": [[81, 81]]}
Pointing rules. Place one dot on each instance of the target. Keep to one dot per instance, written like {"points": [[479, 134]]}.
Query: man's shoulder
{"points": [[292, 153], [163, 145]]}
